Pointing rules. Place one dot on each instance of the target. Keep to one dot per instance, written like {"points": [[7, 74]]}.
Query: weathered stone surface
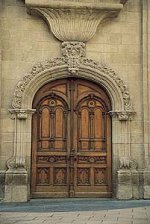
{"points": [[16, 183], [120, 44], [124, 188], [2, 184]]}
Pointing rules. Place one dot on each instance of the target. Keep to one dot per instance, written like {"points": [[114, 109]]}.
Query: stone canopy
{"points": [[74, 20]]}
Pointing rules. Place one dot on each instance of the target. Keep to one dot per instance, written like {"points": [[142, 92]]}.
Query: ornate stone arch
{"points": [[59, 68], [56, 69]]}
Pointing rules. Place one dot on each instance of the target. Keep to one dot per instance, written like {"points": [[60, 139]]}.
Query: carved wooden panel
{"points": [[71, 140], [92, 144], [100, 177], [83, 176], [60, 176], [92, 159], [43, 175]]}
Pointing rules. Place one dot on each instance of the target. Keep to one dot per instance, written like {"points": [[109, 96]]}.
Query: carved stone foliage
{"points": [[122, 115], [127, 163], [36, 69], [73, 53], [74, 59]]}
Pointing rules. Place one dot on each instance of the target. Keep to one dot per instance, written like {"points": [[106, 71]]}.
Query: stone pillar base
{"points": [[135, 184], [16, 185], [124, 188], [146, 175], [128, 184]]}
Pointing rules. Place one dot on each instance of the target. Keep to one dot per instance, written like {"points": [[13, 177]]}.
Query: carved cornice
{"points": [[123, 115], [74, 20]]}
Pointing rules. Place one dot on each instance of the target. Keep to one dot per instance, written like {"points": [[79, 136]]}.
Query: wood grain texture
{"points": [[71, 140]]}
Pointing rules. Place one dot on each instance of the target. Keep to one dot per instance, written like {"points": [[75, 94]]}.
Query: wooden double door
{"points": [[71, 140]]}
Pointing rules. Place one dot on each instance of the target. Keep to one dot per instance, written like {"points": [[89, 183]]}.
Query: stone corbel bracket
{"points": [[123, 115], [74, 20]]}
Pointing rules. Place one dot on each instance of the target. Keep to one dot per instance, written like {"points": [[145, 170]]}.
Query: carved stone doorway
{"points": [[71, 140]]}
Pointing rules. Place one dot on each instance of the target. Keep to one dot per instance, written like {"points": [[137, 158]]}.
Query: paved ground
{"points": [[76, 211]]}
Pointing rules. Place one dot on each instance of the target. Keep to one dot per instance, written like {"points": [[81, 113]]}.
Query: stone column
{"points": [[16, 180], [127, 177], [124, 177]]}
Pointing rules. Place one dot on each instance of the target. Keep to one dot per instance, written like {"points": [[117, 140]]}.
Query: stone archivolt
{"points": [[75, 62]]}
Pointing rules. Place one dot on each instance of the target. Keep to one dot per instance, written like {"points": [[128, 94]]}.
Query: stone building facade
{"points": [[105, 43]]}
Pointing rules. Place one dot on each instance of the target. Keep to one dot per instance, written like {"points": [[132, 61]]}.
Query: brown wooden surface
{"points": [[71, 140]]}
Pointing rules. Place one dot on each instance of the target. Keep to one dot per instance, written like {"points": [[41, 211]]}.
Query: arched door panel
{"points": [[71, 144]]}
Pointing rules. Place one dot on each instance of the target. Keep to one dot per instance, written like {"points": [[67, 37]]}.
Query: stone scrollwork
{"points": [[73, 52], [11, 163], [15, 163]]}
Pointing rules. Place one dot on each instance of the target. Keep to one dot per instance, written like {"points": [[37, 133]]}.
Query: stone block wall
{"points": [[123, 43]]}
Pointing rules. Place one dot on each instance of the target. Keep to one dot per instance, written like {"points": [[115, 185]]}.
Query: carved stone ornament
{"points": [[127, 163], [21, 114], [74, 20], [122, 115], [73, 53], [15, 163], [77, 63], [18, 158]]}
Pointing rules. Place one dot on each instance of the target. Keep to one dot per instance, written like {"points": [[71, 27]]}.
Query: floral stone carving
{"points": [[127, 163], [74, 60], [73, 53]]}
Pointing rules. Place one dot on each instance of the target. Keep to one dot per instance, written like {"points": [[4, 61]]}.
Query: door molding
{"points": [[47, 71], [78, 145]]}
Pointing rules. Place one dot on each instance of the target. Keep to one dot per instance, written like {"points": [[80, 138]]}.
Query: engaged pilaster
{"points": [[16, 180]]}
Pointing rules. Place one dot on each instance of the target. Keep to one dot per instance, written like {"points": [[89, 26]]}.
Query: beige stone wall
{"points": [[26, 40], [118, 44]]}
